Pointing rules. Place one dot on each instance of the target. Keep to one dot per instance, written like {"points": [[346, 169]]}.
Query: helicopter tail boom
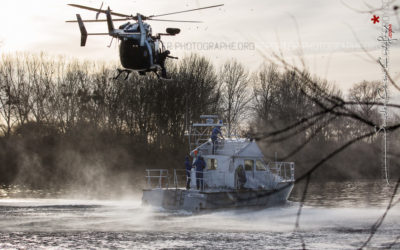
{"points": [[110, 23], [82, 28], [84, 33]]}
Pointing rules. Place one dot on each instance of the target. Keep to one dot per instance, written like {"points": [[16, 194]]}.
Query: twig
{"points": [[303, 198], [380, 220]]}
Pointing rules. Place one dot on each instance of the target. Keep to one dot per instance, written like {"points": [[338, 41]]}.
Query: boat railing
{"points": [[160, 178], [157, 178], [205, 148], [285, 170], [180, 178], [209, 179]]}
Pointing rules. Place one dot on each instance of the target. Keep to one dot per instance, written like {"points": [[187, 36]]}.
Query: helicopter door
{"points": [[150, 51]]}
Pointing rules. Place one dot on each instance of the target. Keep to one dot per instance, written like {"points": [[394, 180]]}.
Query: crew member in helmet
{"points": [[200, 164]]}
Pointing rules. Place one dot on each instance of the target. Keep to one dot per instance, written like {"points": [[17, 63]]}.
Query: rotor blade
{"points": [[98, 34], [177, 21], [99, 20], [97, 10], [98, 13], [172, 13]]}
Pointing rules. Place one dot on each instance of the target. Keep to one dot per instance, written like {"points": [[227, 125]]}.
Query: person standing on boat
{"points": [[200, 164], [188, 167], [214, 137]]}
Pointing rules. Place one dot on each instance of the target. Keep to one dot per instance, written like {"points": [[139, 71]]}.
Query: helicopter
{"points": [[139, 49]]}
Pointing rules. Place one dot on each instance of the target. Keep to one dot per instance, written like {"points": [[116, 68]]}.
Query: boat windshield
{"points": [[248, 165], [260, 166]]}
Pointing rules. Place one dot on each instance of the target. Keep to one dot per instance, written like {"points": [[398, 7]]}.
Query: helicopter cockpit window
{"points": [[123, 26], [132, 28]]}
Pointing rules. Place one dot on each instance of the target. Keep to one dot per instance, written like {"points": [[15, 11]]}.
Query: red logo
{"points": [[390, 31], [375, 19]]}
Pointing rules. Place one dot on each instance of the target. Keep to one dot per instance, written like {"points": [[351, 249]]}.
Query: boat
{"points": [[236, 175]]}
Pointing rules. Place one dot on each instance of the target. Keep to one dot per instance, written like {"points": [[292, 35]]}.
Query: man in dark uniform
{"points": [[161, 61], [188, 167], [240, 177], [200, 164], [214, 137]]}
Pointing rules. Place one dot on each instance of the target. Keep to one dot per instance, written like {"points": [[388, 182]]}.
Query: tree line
{"points": [[68, 122]]}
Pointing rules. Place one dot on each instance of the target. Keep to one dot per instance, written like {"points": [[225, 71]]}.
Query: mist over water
{"points": [[341, 221]]}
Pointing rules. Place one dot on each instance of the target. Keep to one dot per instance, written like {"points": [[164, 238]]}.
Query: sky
{"points": [[329, 32]]}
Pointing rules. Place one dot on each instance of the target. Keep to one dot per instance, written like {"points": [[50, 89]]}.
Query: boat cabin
{"points": [[231, 164], [235, 157]]}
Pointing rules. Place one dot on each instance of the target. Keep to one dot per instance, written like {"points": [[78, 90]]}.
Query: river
{"points": [[336, 215]]}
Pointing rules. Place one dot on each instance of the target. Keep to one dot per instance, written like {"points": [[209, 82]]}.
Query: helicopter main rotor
{"points": [[139, 50], [126, 17]]}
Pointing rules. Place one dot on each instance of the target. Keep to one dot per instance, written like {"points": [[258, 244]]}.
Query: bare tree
{"points": [[8, 97], [367, 94], [234, 80]]}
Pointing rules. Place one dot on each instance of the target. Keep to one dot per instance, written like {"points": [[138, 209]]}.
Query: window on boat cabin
{"points": [[260, 166], [212, 164], [248, 165]]}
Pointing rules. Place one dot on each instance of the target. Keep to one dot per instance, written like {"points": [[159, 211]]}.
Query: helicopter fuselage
{"points": [[138, 50], [133, 56], [134, 53]]}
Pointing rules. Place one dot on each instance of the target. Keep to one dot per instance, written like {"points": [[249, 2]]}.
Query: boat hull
{"points": [[193, 200]]}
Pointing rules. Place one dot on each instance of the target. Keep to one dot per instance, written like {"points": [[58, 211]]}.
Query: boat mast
{"points": [[200, 132]]}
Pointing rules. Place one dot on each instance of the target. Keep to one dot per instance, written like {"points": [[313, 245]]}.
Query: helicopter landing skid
{"points": [[162, 77], [120, 71]]}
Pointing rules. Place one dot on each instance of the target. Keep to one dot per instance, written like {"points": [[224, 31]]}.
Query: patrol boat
{"points": [[236, 175]]}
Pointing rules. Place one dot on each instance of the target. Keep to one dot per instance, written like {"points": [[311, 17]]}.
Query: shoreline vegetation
{"points": [[69, 123]]}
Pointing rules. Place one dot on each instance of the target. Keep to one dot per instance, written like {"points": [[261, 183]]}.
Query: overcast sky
{"points": [[245, 30]]}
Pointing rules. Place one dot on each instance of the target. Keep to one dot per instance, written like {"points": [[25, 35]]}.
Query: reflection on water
{"points": [[336, 216], [362, 193]]}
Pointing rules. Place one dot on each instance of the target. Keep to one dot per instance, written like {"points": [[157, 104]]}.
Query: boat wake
{"points": [[104, 224]]}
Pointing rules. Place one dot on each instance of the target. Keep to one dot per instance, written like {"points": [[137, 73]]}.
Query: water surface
{"points": [[335, 216]]}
